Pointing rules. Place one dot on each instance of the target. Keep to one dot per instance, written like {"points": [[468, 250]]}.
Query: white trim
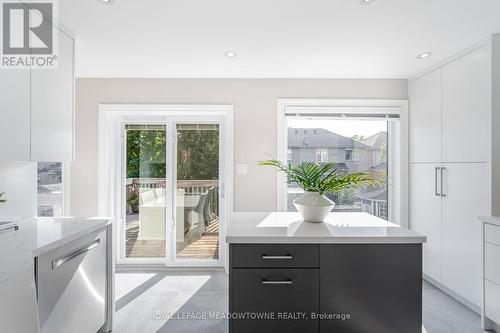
{"points": [[398, 212], [111, 118]]}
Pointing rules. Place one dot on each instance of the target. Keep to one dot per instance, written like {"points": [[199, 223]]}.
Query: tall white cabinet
{"points": [[15, 139], [452, 165], [37, 109]]}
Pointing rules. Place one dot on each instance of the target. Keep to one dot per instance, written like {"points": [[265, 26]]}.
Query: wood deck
{"points": [[207, 247]]}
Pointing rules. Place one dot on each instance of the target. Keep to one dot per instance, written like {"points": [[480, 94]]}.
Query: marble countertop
{"points": [[339, 227], [490, 219]]}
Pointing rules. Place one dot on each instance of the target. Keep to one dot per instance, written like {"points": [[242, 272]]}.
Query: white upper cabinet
{"points": [[52, 106], [425, 118], [37, 109], [466, 113], [14, 114]]}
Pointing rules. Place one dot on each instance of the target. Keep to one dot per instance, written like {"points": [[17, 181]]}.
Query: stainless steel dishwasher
{"points": [[72, 286]]}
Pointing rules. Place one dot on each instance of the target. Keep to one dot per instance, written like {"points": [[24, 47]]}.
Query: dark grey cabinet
{"points": [[379, 286], [280, 297], [276, 255], [341, 288]]}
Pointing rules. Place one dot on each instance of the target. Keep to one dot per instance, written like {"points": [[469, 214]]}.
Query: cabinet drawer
{"points": [[492, 234], [275, 255], [492, 262], [275, 292], [492, 301]]}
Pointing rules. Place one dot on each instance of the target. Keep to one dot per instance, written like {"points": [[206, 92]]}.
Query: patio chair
{"points": [[208, 216]]}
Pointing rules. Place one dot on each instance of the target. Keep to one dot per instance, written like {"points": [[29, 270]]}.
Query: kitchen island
{"points": [[355, 273], [55, 276]]}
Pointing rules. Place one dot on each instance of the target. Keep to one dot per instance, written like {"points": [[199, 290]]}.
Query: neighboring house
{"points": [[367, 155], [375, 202], [320, 145], [377, 148]]}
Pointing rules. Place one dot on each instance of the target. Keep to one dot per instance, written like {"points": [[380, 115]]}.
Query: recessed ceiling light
{"points": [[366, 2], [424, 55], [106, 1], [230, 54]]}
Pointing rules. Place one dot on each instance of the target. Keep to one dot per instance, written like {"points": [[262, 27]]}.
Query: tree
{"points": [[146, 153], [358, 137], [197, 154], [383, 152]]}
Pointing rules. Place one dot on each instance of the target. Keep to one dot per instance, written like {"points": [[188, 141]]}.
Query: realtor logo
{"points": [[28, 37]]}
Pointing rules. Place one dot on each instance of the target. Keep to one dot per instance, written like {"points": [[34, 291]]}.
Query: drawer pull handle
{"points": [[286, 257], [72, 255], [287, 282]]}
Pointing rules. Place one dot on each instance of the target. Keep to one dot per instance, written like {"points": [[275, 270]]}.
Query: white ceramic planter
{"points": [[313, 207]]}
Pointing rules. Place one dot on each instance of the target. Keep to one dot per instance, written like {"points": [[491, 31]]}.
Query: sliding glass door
{"points": [[197, 191], [145, 190], [172, 178]]}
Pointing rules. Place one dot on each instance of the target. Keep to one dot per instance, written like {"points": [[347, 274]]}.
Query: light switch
{"points": [[241, 169]]}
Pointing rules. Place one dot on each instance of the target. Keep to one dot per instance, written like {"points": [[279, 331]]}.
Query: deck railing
{"points": [[190, 187]]}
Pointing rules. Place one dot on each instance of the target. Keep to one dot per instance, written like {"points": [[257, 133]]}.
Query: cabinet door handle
{"points": [[269, 257], [436, 192], [442, 177], [287, 282], [72, 255]]}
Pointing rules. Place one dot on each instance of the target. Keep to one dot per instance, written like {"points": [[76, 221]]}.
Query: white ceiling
{"points": [[272, 38]]}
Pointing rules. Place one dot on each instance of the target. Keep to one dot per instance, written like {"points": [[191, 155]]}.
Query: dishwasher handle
{"points": [[73, 254]]}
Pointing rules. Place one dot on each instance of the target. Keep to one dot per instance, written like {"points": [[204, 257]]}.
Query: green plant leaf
{"points": [[322, 178]]}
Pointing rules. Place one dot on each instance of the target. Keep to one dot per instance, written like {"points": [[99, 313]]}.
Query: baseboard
{"points": [[489, 325], [133, 268], [453, 294]]}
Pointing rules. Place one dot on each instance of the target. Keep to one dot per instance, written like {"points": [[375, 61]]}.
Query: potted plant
{"points": [[316, 180], [133, 202], [2, 199]]}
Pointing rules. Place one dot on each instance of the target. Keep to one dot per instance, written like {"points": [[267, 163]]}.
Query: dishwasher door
{"points": [[71, 286]]}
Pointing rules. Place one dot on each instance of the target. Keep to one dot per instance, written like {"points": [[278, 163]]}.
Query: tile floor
{"points": [[145, 301]]}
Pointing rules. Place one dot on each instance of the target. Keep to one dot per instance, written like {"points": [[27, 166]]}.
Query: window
{"points": [[50, 189], [289, 155], [321, 155], [370, 139], [352, 154], [360, 136]]}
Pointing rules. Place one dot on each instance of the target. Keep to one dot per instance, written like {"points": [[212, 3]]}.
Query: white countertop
{"points": [[339, 227], [490, 219]]}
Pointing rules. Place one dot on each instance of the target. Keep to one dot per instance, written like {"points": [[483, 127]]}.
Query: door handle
{"points": [[436, 192], [72, 255], [285, 257], [274, 282], [442, 177]]}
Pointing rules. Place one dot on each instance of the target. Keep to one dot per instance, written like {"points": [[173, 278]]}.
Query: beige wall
{"points": [[254, 102]]}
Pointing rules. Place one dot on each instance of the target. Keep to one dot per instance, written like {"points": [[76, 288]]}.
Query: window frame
{"points": [[398, 164], [321, 151], [352, 150]]}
